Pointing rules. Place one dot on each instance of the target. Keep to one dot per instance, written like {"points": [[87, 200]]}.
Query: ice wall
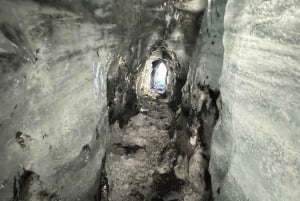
{"points": [[255, 146]]}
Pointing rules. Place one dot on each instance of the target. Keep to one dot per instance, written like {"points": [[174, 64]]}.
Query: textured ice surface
{"points": [[255, 147], [53, 91]]}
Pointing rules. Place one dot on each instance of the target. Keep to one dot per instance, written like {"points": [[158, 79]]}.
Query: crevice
{"points": [[164, 184], [208, 116], [103, 190], [129, 149], [28, 186], [196, 117]]}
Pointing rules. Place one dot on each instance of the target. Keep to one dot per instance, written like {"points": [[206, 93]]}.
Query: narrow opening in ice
{"points": [[159, 75]]}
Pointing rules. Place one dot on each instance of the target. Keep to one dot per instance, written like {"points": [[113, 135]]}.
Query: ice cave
{"points": [[149, 100]]}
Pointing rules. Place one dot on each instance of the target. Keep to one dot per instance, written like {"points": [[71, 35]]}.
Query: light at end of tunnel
{"points": [[159, 77]]}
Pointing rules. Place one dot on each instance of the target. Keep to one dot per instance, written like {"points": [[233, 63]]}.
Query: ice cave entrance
{"points": [[159, 75]]}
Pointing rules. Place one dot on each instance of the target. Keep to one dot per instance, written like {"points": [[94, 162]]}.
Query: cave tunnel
{"points": [[149, 100]]}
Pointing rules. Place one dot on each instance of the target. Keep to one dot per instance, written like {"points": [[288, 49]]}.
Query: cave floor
{"points": [[140, 165]]}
